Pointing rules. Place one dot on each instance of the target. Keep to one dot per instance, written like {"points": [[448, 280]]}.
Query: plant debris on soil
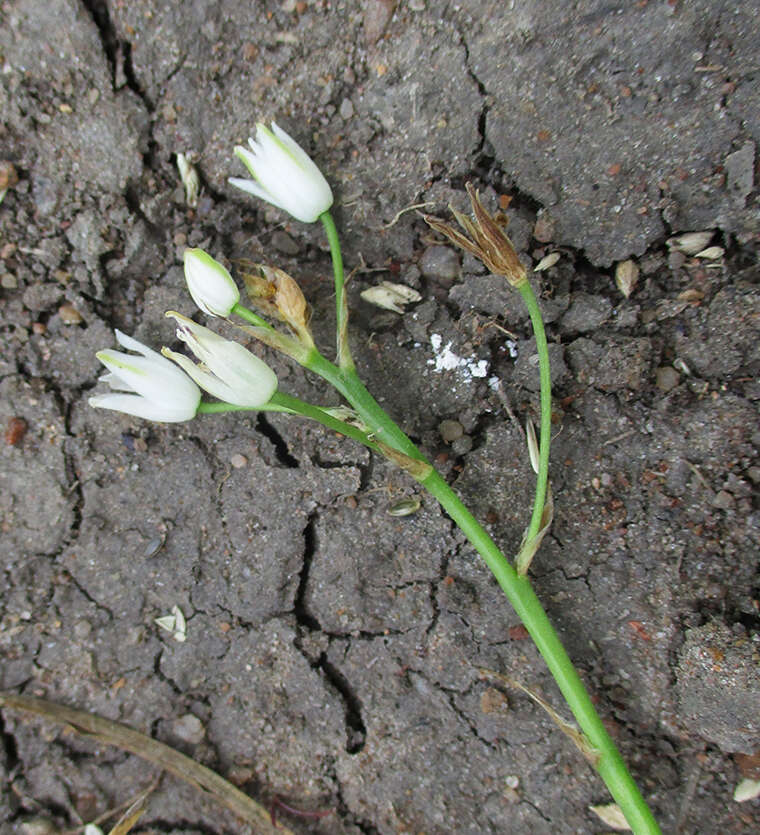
{"points": [[332, 648]]}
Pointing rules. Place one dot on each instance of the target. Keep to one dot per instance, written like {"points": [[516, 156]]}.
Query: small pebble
{"points": [[238, 461], [440, 263], [543, 229], [15, 431], [69, 315], [723, 500], [82, 628], [462, 445], [38, 826], [676, 260], [667, 378], [189, 729], [450, 430], [8, 281], [283, 243], [493, 701], [346, 109]]}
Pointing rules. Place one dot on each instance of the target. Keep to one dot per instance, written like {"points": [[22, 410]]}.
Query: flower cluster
{"points": [[166, 387]]}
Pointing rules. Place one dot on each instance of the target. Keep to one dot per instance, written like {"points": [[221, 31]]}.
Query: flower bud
{"points": [[209, 283]]}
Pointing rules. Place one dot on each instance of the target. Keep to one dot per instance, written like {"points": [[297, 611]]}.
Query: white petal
{"points": [[133, 404], [156, 379], [298, 152], [132, 344], [204, 378]]}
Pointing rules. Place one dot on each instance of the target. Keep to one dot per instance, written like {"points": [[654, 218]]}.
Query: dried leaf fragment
{"points": [[174, 623], [747, 790], [612, 815], [390, 296], [626, 276], [528, 549], [190, 180], [690, 243], [712, 253], [590, 754], [546, 262]]}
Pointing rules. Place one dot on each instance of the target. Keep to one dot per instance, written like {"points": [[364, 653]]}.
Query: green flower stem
{"points": [[546, 408], [288, 404], [250, 317], [341, 307], [347, 382], [520, 593], [517, 588], [207, 408]]}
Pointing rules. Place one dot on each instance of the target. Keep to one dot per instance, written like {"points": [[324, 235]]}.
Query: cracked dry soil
{"points": [[332, 648]]}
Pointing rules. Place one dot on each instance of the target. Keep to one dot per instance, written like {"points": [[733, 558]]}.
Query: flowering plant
{"points": [[285, 176]]}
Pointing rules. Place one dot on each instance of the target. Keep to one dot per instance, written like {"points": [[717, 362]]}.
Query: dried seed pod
{"points": [[70, 315], [8, 175], [190, 180], [154, 546], [626, 276]]}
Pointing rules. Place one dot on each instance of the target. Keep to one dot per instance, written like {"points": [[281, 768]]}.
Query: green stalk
{"points": [[281, 402], [517, 588], [341, 305], [347, 382], [520, 593], [250, 317], [546, 408]]}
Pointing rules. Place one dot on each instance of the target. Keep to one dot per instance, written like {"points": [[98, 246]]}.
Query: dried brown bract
{"points": [[486, 240], [276, 294]]}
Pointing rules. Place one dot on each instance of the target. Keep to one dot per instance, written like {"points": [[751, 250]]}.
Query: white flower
{"points": [[148, 386], [283, 174], [227, 370], [209, 283]]}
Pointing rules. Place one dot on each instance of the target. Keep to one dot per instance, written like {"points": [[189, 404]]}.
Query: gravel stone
{"points": [[718, 683], [333, 648], [450, 430], [667, 378], [586, 313], [440, 263]]}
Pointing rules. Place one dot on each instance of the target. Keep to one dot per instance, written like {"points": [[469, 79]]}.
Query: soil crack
{"points": [[356, 731]]}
